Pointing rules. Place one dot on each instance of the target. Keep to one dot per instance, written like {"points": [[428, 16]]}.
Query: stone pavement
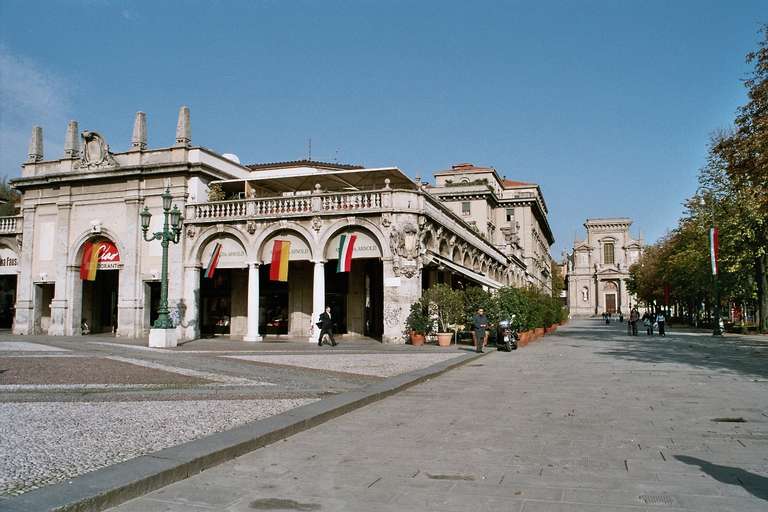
{"points": [[69, 406], [587, 419]]}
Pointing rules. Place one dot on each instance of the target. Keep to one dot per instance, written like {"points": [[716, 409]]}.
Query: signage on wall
{"points": [[231, 253], [365, 247], [299, 250], [9, 261], [109, 256]]}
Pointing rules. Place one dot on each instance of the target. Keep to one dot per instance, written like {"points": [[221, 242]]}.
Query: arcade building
{"points": [[75, 255]]}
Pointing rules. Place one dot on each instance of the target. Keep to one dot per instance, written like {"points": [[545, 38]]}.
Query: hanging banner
{"points": [[210, 269], [713, 249], [346, 247], [299, 249], [102, 255], [278, 266]]}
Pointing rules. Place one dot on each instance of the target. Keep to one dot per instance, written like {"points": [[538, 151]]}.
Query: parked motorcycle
{"points": [[507, 335]]}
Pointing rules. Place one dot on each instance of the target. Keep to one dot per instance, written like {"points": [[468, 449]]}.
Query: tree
{"points": [[9, 197]]}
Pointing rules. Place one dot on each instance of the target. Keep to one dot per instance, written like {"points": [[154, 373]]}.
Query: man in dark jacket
{"points": [[479, 326], [326, 327]]}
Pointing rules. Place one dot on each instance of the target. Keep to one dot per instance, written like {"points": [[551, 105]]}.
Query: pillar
{"points": [[400, 291], [318, 299], [59, 304], [252, 333], [23, 322], [190, 316]]}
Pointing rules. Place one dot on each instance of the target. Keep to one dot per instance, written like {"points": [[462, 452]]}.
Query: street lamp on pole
{"points": [[163, 333], [716, 331]]}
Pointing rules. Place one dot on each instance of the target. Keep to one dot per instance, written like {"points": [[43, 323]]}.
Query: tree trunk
{"points": [[761, 267]]}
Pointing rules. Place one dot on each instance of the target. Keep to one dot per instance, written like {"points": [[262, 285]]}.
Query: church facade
{"points": [[598, 267], [406, 238]]}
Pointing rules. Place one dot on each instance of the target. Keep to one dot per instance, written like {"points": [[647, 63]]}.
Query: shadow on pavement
{"points": [[696, 350], [754, 484]]}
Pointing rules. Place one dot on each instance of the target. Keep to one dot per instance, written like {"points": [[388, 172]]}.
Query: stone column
{"points": [[24, 321], [252, 333], [190, 319], [130, 295], [619, 298], [399, 293], [59, 324], [318, 299]]}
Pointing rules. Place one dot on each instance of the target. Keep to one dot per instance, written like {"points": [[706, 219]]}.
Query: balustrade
{"points": [[286, 206], [9, 224]]}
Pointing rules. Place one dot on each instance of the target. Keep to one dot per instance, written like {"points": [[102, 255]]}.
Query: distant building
{"points": [[598, 268], [511, 215]]}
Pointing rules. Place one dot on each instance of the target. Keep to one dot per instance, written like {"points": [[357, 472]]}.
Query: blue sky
{"points": [[608, 105]]}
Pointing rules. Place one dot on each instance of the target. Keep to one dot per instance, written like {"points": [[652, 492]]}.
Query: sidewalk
{"points": [[587, 419]]}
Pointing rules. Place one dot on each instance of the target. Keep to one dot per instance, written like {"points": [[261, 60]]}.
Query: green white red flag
{"points": [[346, 246]]}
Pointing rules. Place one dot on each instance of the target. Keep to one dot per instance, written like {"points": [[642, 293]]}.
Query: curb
{"points": [[113, 485]]}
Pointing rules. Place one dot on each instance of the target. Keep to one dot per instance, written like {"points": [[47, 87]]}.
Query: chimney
{"points": [[183, 128], [35, 152], [71, 141], [139, 137]]}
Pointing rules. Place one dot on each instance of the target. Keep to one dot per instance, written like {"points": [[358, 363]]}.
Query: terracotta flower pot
{"points": [[539, 332], [444, 339], [525, 338], [417, 339]]}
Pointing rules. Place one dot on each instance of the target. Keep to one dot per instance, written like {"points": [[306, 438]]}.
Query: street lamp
{"points": [[716, 331], [162, 334]]}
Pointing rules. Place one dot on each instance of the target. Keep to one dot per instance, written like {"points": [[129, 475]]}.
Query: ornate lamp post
{"points": [[163, 333], [716, 331]]}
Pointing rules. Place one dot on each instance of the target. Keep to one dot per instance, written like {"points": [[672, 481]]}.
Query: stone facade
{"points": [[598, 267], [409, 236]]}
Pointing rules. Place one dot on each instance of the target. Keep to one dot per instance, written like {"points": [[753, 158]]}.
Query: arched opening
{"points": [[445, 249], [9, 268], [223, 287], [354, 282], [285, 306], [99, 274]]}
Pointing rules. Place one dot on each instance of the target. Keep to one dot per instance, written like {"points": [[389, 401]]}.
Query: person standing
{"points": [[634, 317], [648, 322], [479, 330], [326, 327], [661, 322]]}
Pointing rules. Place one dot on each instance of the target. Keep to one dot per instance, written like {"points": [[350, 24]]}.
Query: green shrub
{"points": [[447, 306], [418, 318], [475, 298]]}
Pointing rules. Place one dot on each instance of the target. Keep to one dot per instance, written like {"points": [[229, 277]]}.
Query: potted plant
{"points": [[447, 308], [418, 322]]}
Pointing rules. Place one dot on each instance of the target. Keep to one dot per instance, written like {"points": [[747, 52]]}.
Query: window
{"points": [[465, 208], [510, 214], [608, 253]]}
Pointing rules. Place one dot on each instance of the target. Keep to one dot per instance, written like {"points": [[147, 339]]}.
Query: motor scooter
{"points": [[507, 335]]}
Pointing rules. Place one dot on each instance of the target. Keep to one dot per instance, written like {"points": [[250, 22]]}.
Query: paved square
{"points": [[23, 346], [585, 420]]}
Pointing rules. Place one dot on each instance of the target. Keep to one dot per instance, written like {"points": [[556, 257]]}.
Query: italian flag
{"points": [[714, 248], [346, 246], [90, 261], [214, 261], [278, 268]]}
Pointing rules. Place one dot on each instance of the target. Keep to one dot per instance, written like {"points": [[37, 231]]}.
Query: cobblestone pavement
{"points": [[69, 406], [587, 419]]}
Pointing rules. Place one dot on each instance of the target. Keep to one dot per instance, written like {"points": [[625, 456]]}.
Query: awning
{"points": [[471, 274]]}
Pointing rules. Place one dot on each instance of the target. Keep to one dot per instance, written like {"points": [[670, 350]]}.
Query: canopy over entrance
{"points": [[466, 272], [302, 180]]}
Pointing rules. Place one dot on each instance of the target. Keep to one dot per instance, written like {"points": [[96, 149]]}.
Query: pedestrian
{"points": [[607, 317], [326, 327], [648, 323], [621, 317], [661, 321], [479, 326], [634, 317]]}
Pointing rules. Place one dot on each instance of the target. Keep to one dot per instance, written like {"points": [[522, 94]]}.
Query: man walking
{"points": [[326, 327], [634, 317], [479, 326]]}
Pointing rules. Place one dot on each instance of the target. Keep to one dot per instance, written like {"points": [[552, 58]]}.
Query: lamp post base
{"points": [[162, 338]]}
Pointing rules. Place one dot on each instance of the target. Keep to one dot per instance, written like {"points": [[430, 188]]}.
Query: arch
{"points": [[444, 248], [476, 262], [76, 252], [467, 262], [455, 254], [428, 240], [328, 233], [484, 267], [205, 236]]}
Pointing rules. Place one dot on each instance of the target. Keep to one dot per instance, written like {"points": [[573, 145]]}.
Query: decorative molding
{"points": [[95, 152]]}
